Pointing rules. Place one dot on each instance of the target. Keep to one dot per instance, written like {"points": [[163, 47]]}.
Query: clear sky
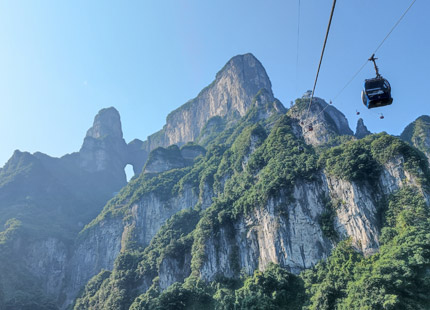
{"points": [[63, 61]]}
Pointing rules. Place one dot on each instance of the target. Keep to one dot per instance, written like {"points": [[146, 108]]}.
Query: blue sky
{"points": [[63, 61]]}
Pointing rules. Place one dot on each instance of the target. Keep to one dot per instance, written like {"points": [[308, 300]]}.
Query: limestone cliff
{"points": [[104, 147], [326, 121], [361, 130], [418, 134], [250, 213], [229, 97], [53, 198], [261, 188]]}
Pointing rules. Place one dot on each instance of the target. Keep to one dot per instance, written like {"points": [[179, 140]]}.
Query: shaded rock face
{"points": [[327, 122], [47, 260], [93, 252], [162, 159], [418, 134], [394, 176], [356, 210], [56, 197], [106, 123], [357, 204], [361, 131], [104, 147], [151, 212], [137, 155], [101, 244], [267, 105], [191, 152], [174, 269], [25, 175]]}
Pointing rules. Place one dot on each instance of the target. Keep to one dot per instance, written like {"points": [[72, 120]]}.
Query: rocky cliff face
{"points": [[47, 261], [290, 233], [294, 226], [97, 249], [418, 134], [104, 147], [89, 177], [229, 97], [361, 130], [163, 159], [101, 243], [280, 232], [259, 193], [54, 198], [326, 121]]}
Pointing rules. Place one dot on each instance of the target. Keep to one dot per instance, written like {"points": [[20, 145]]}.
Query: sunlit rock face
{"points": [[228, 96]]}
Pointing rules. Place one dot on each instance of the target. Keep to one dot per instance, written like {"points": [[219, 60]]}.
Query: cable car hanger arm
{"points": [[372, 58]]}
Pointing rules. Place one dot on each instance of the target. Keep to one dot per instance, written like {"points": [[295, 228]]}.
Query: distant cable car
{"points": [[357, 112], [381, 116], [331, 102], [377, 91]]}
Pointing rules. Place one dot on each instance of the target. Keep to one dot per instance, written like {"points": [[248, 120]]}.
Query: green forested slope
{"points": [[397, 277]]}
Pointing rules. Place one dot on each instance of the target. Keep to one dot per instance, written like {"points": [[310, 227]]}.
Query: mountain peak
{"points": [[228, 97], [106, 123], [104, 147], [248, 70], [361, 131]]}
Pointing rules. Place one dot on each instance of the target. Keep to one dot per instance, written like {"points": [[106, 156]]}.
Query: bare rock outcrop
{"points": [[318, 122], [417, 134], [361, 131]]}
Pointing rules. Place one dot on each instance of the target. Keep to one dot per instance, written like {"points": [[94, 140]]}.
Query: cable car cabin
{"points": [[376, 93]]}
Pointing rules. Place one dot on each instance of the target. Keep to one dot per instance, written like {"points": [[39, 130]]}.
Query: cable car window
{"points": [[373, 84]]}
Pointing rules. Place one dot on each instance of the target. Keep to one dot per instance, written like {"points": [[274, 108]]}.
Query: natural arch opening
{"points": [[129, 172]]}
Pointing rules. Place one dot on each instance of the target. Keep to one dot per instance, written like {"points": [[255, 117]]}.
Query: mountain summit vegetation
{"points": [[234, 205]]}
